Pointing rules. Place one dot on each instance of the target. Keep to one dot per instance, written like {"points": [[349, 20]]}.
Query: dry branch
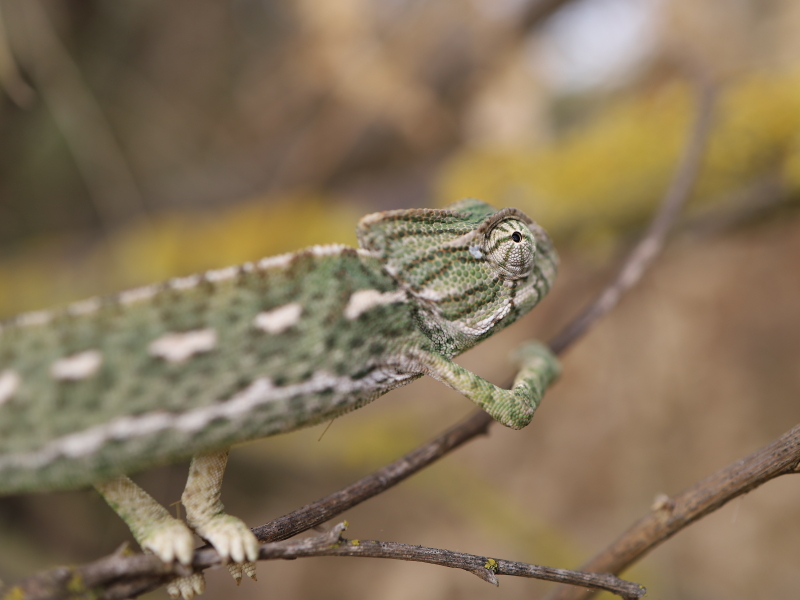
{"points": [[670, 515], [122, 575]]}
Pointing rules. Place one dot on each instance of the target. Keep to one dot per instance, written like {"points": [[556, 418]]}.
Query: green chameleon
{"points": [[110, 386]]}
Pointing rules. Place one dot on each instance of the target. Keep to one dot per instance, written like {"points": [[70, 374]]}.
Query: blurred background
{"points": [[146, 139]]}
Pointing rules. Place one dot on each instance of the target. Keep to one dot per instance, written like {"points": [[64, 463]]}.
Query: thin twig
{"points": [[330, 506], [670, 515], [652, 243], [122, 576]]}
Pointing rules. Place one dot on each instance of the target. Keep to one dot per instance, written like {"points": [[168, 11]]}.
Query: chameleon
{"points": [[188, 368]]}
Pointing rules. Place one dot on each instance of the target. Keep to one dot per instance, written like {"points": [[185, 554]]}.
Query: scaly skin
{"points": [[193, 366]]}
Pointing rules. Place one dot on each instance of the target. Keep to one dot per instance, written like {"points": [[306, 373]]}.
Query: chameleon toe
{"points": [[230, 537], [187, 587], [171, 540], [243, 568]]}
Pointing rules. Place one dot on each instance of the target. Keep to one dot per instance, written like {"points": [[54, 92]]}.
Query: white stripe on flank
{"points": [[278, 319], [239, 406], [32, 319], [138, 294], [177, 347], [84, 307], [76, 367], [284, 260], [184, 283], [9, 384], [328, 249], [275, 262], [364, 300], [222, 274]]}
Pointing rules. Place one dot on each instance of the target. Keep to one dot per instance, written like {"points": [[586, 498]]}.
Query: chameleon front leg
{"points": [[154, 529], [232, 539], [514, 408]]}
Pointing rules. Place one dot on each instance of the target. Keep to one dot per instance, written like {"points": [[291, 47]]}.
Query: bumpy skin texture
{"points": [[341, 328], [188, 368]]}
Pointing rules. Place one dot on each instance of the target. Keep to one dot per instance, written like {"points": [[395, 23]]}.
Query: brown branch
{"points": [[670, 515], [122, 576], [322, 510], [652, 243]]}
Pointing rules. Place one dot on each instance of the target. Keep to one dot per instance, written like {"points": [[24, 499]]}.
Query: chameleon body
{"points": [[188, 368]]}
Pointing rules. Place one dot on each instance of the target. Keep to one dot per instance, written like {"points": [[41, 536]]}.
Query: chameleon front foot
{"points": [[538, 367], [150, 523], [187, 587]]}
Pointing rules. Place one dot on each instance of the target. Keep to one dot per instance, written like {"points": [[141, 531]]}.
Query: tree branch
{"points": [[669, 515], [121, 575], [652, 243]]}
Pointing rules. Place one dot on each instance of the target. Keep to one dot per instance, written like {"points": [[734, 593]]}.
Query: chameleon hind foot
{"points": [[187, 587], [150, 523], [170, 540], [231, 538]]}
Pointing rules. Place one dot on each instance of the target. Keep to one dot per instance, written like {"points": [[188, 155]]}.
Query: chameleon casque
{"points": [[190, 367]]}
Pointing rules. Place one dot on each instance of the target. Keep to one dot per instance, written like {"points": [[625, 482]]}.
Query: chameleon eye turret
{"points": [[511, 247]]}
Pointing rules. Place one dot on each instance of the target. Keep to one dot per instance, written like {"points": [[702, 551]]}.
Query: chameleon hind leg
{"points": [[154, 529], [205, 514], [514, 408], [170, 539]]}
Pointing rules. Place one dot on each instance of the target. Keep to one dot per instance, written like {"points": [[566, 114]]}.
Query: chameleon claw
{"points": [[235, 569], [249, 569], [243, 568]]}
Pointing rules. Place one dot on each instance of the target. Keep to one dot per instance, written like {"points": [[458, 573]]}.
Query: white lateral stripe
{"points": [[278, 319], [240, 405], [31, 319], [78, 366], [222, 274], [9, 384], [138, 294], [177, 347], [364, 300], [275, 262], [184, 283], [84, 307], [328, 249]]}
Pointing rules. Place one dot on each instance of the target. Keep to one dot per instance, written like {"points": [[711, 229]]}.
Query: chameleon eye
{"points": [[510, 247]]}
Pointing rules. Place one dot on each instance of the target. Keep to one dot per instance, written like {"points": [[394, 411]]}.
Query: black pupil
{"points": [[516, 237]]}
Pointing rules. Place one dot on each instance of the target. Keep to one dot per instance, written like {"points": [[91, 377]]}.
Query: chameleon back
{"points": [[262, 361]]}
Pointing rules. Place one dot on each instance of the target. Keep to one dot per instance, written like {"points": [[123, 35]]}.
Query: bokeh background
{"points": [[146, 139]]}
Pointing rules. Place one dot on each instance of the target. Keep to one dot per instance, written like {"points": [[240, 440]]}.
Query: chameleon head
{"points": [[471, 268]]}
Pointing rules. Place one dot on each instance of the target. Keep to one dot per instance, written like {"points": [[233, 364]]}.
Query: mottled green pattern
{"points": [[446, 284]]}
